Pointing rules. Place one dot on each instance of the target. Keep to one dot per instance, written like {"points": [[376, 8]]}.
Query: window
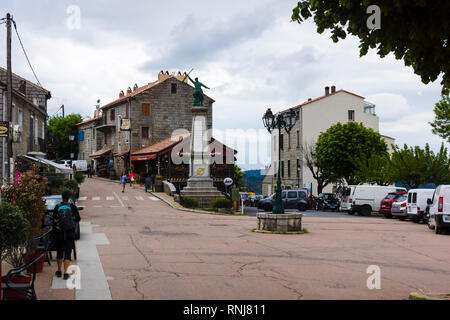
{"points": [[146, 109], [81, 136], [43, 130], [113, 115], [20, 118], [36, 133], [351, 115], [113, 138], [282, 169], [298, 168], [292, 195], [127, 114], [298, 139], [282, 142], [289, 140], [145, 133], [119, 123], [289, 168], [174, 88], [414, 199], [302, 195]]}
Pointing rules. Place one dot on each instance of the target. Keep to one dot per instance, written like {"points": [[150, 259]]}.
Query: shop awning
{"points": [[100, 153], [48, 163], [143, 157], [121, 154]]}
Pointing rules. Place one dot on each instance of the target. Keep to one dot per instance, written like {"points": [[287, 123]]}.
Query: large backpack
{"points": [[65, 218]]}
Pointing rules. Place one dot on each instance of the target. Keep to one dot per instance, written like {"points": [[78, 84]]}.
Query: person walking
{"points": [[148, 183], [132, 179], [123, 181], [89, 171], [65, 216]]}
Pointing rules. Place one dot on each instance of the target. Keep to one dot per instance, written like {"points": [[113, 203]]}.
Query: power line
{"points": [[25, 53]]}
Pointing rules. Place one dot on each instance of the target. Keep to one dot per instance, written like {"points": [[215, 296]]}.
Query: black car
{"points": [[327, 201], [292, 199]]}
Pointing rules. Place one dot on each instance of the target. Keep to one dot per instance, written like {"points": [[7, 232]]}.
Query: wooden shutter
{"points": [[146, 109]]}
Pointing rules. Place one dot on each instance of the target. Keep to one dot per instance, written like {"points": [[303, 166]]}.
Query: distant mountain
{"points": [[253, 180]]}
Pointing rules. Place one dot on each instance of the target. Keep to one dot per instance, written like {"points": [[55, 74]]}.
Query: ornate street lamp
{"points": [[286, 121], [71, 139]]}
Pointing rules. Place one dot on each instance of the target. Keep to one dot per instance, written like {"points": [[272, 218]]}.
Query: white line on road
{"points": [[109, 198], [98, 206], [154, 198], [125, 198], [121, 203], [82, 198], [139, 198], [96, 198]]}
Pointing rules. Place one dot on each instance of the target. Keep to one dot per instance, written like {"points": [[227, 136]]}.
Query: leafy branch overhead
{"points": [[415, 31], [441, 124]]}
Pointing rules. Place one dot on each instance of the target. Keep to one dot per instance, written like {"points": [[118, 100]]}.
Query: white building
{"points": [[313, 117]]}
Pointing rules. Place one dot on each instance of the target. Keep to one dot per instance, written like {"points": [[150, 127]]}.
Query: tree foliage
{"points": [[238, 177], [59, 129], [341, 148], [27, 195], [375, 170], [413, 166], [13, 228], [441, 124], [415, 31]]}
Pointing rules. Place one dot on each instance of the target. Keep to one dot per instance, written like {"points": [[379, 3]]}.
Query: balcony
{"points": [[103, 126]]}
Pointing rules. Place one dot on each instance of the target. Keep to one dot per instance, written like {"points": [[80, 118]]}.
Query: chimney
{"points": [[129, 90], [327, 91], [309, 99], [121, 94], [135, 87], [333, 89]]}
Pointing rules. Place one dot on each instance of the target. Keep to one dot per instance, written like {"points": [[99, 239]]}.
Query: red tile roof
{"points": [[323, 97], [161, 145], [87, 121]]}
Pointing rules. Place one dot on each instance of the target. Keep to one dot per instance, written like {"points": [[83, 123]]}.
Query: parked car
{"points": [[254, 199], [417, 203], [439, 218], [67, 163], [386, 203], [292, 199], [345, 204], [398, 208], [367, 199], [327, 201]]}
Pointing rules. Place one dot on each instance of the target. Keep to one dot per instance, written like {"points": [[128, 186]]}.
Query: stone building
{"points": [[313, 117], [154, 111], [29, 118]]}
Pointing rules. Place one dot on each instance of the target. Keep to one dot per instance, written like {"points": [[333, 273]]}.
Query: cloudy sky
{"points": [[249, 53]]}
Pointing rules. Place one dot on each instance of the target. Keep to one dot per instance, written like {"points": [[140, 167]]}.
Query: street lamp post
{"points": [[71, 139], [271, 122]]}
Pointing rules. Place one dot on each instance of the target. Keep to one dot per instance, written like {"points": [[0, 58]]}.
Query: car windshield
{"points": [[329, 196], [51, 203], [391, 197], [402, 198]]}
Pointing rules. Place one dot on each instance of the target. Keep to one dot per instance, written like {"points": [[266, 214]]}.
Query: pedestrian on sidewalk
{"points": [[148, 183], [123, 181], [89, 171], [132, 179], [65, 217]]}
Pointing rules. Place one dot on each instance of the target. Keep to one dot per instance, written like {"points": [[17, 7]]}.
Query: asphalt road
{"points": [[252, 211], [157, 252]]}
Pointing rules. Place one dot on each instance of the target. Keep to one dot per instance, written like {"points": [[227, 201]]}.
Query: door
{"points": [[412, 208], [291, 202]]}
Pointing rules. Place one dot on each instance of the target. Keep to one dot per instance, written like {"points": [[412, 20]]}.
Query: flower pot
{"points": [[12, 295], [39, 265]]}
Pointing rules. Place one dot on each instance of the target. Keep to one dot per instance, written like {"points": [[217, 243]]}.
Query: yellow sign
{"points": [[4, 129], [200, 171]]}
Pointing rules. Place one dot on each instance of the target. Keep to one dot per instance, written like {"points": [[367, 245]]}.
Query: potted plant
{"points": [[27, 194], [14, 230]]}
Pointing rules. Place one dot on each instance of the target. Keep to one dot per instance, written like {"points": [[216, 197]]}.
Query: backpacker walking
{"points": [[65, 217]]}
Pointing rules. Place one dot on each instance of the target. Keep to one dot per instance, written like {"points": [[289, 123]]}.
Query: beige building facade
{"points": [[314, 117]]}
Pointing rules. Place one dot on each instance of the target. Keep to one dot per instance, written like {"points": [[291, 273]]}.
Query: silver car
{"points": [[399, 207]]}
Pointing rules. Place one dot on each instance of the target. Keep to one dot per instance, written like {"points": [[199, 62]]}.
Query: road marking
{"points": [[109, 198], [98, 206], [125, 198], [96, 198], [121, 203], [82, 198], [139, 198], [154, 198]]}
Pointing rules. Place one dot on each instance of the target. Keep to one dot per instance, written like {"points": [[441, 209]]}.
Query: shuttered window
{"points": [[146, 109]]}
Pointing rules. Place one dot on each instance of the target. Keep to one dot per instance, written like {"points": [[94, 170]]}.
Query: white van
{"points": [[80, 164], [367, 199], [440, 209], [417, 203], [346, 199]]}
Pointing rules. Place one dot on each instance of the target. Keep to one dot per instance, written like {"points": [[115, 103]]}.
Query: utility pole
{"points": [[62, 107], [9, 91]]}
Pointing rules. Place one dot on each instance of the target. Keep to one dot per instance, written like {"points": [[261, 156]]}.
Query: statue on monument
{"points": [[198, 92]]}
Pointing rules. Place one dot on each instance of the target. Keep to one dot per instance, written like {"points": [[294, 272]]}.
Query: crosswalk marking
{"points": [[109, 198], [154, 198], [125, 198], [82, 198], [96, 198], [139, 198]]}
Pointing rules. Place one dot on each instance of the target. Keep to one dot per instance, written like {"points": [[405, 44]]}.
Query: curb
{"points": [[429, 296]]}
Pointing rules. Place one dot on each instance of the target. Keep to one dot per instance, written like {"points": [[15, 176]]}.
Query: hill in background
{"points": [[253, 180]]}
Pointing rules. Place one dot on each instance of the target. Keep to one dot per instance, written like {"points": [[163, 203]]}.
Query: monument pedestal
{"points": [[200, 185]]}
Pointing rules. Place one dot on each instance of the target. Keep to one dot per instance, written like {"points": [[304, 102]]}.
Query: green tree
{"points": [[441, 124], [59, 129], [415, 31], [375, 170], [413, 166], [238, 177], [341, 148]]}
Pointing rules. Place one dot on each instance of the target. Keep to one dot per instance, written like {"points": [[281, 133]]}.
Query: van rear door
{"points": [[412, 207]]}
